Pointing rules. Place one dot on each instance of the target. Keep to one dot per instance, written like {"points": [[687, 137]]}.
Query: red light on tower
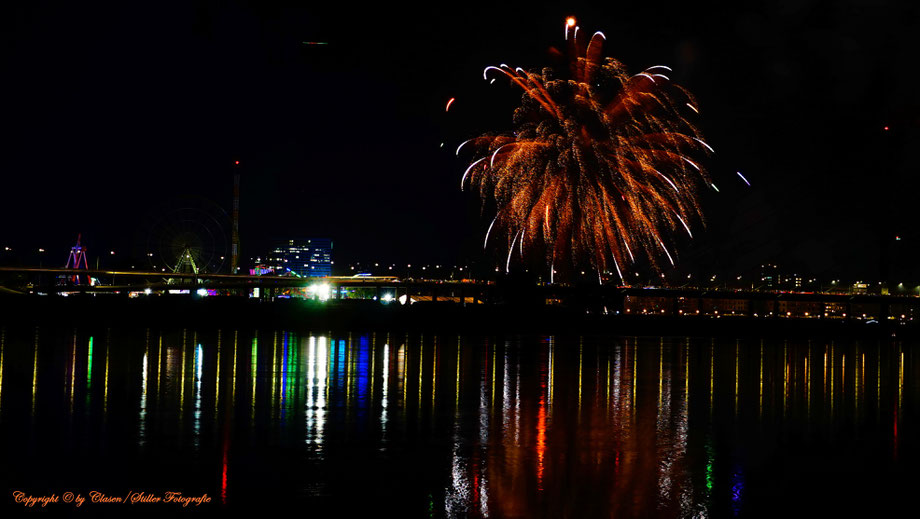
{"points": [[236, 162], [885, 128]]}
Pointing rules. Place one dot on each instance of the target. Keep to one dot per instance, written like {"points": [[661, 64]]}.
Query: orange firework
{"points": [[600, 169]]}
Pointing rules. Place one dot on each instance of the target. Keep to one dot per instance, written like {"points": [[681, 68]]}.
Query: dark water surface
{"points": [[356, 424]]}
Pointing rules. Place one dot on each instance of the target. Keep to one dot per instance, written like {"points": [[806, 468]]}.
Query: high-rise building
{"points": [[304, 258], [769, 276]]}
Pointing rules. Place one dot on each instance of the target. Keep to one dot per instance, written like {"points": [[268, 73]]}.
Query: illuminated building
{"points": [[304, 258], [769, 275], [261, 270]]}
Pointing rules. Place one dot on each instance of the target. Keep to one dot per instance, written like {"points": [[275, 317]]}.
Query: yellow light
{"points": [[570, 21]]}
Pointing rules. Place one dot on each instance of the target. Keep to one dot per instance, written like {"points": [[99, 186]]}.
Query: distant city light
{"points": [[202, 292], [570, 21]]}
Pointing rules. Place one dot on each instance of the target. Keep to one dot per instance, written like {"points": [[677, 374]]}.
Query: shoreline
{"points": [[185, 311]]}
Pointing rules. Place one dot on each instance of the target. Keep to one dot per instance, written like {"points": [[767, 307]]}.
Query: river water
{"points": [[361, 423]]}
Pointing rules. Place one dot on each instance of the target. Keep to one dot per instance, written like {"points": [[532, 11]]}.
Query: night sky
{"points": [[109, 111]]}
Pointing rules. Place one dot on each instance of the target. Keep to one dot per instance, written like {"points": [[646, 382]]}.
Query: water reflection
{"points": [[507, 427], [35, 375], [142, 412], [2, 348]]}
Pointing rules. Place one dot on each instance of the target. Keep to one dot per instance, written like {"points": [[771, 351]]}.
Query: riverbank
{"points": [[243, 313]]}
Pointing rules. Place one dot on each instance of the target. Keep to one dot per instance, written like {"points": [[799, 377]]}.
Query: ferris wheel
{"points": [[188, 235]]}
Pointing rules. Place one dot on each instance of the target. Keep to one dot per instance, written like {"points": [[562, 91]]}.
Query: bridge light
{"points": [[319, 291]]}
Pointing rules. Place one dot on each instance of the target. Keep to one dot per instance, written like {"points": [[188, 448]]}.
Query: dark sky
{"points": [[110, 110]]}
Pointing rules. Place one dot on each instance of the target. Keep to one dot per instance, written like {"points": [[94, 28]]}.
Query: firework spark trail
{"points": [[599, 167]]}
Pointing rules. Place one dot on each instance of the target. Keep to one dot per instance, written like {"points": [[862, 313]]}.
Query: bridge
{"points": [[608, 298]]}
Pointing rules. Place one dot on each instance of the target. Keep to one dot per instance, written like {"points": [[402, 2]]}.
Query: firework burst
{"points": [[601, 169]]}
